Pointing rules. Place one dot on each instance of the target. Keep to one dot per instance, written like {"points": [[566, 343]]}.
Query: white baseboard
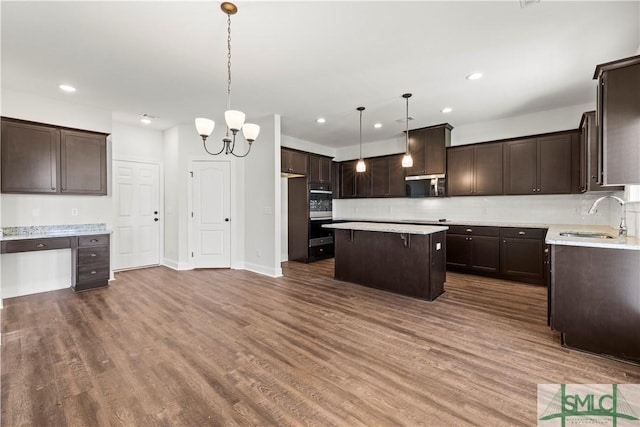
{"points": [[175, 265], [261, 269]]}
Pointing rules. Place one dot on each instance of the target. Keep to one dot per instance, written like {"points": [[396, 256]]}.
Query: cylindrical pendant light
{"points": [[407, 160], [361, 166]]}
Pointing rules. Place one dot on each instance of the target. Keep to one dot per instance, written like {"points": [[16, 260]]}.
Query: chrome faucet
{"points": [[622, 231]]}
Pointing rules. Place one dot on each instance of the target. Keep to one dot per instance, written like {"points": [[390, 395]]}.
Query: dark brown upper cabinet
{"points": [[618, 110], [83, 163], [540, 165], [295, 162], [46, 159], [474, 170], [427, 147], [319, 169], [352, 183], [387, 176], [590, 174]]}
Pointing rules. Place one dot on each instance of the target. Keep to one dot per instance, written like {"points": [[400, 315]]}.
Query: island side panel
{"points": [[595, 299], [381, 260]]}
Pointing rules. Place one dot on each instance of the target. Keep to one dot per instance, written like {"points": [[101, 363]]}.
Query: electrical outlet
{"points": [[267, 210], [74, 211], [258, 253]]}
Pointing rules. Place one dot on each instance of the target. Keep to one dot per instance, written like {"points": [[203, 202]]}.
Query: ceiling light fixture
{"points": [[377, 125], [233, 118], [67, 88], [407, 160], [474, 76], [321, 120], [146, 119], [361, 166], [446, 110]]}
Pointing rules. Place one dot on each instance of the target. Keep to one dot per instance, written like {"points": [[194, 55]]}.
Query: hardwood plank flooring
{"points": [[225, 347]]}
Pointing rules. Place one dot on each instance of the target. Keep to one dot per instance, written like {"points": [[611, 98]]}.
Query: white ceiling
{"points": [[308, 59]]}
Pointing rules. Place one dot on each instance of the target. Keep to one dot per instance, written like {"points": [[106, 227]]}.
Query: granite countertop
{"points": [[553, 236], [49, 231], [388, 227], [624, 242]]}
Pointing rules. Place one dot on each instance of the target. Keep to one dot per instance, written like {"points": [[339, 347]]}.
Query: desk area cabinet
{"points": [[39, 158], [90, 256]]}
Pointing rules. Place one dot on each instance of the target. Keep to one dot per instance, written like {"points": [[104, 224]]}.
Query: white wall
{"points": [[262, 204], [54, 267], [136, 143], [170, 144], [303, 145], [284, 219]]}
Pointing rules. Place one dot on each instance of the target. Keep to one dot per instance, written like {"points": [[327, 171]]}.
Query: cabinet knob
{"points": [[522, 233], [94, 255], [469, 230], [93, 272], [40, 245]]}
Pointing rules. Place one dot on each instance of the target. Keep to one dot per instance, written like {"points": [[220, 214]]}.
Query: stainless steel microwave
{"points": [[425, 186]]}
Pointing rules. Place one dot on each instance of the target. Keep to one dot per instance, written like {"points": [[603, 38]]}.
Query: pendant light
{"points": [[233, 118], [407, 160], [361, 166]]}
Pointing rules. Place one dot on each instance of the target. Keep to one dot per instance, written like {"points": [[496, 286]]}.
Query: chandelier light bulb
{"points": [[204, 127], [361, 166], [250, 131], [234, 119], [407, 161]]}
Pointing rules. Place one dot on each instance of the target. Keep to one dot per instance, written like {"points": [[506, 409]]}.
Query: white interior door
{"points": [[136, 194], [210, 221]]}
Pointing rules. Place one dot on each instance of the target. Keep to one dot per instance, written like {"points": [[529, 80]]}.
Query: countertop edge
{"points": [[387, 227], [54, 235]]}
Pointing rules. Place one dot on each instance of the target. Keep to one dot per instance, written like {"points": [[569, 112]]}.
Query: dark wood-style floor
{"points": [[225, 347]]}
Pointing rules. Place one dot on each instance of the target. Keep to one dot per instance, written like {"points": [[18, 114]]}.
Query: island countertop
{"points": [[388, 227]]}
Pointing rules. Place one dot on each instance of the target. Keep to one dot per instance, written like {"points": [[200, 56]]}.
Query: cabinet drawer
{"points": [[321, 251], [523, 233], [474, 230], [91, 273], [35, 244], [93, 255], [320, 241], [93, 240]]}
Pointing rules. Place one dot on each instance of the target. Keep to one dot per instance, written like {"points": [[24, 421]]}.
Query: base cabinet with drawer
{"points": [[90, 259], [510, 253]]}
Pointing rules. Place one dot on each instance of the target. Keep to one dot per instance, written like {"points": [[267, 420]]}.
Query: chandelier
{"points": [[233, 118]]}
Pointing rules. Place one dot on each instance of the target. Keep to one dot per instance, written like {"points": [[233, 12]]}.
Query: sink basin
{"points": [[588, 234]]}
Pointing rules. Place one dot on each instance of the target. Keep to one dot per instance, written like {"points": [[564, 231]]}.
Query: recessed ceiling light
{"points": [[447, 110], [474, 76], [321, 120], [67, 88], [146, 119], [377, 125]]}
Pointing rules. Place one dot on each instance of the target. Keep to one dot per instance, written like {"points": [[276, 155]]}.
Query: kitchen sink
{"points": [[588, 234]]}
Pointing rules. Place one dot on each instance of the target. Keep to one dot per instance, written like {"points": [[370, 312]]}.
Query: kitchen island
{"points": [[402, 258]]}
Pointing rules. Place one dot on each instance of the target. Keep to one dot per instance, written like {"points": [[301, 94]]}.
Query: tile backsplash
{"points": [[552, 209]]}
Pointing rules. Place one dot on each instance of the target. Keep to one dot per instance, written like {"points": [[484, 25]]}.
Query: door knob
{"points": [[226, 220], [156, 219], [155, 212]]}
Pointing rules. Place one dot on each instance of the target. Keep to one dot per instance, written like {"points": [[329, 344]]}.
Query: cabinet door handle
{"points": [[40, 245], [522, 233], [94, 255], [94, 240], [469, 230], [93, 272]]}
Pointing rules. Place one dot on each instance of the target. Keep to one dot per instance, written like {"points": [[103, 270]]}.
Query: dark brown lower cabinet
{"points": [[522, 254], [473, 248], [90, 259], [518, 254], [411, 264], [595, 299]]}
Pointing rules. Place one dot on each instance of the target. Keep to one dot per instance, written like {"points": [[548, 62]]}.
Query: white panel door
{"points": [[210, 222], [136, 194]]}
